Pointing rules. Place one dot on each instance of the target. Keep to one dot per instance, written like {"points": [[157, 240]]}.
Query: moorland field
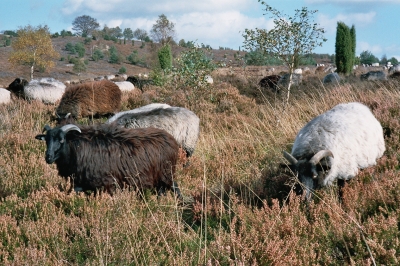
{"points": [[240, 205]]}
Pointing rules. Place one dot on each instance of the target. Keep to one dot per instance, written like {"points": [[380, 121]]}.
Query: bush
{"points": [[97, 55], [80, 49], [122, 70], [70, 48], [165, 57], [115, 58], [134, 59]]}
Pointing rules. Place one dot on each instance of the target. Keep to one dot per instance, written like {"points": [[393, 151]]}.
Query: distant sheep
{"points": [[139, 83], [125, 85], [394, 69], [332, 78], [5, 96], [47, 90], [296, 80], [105, 158], [340, 141], [373, 75], [145, 108], [270, 82], [180, 122], [90, 99]]}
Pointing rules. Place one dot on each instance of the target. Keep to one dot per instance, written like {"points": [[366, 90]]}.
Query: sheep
{"points": [[344, 139], [270, 82], [373, 75], [95, 98], [145, 108], [331, 78], [125, 85], [47, 90], [284, 80], [394, 69], [139, 83], [5, 96], [209, 79], [298, 71], [180, 122], [104, 157]]}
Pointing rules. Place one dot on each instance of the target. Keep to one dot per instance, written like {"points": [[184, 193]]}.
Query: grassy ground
{"points": [[240, 205]]}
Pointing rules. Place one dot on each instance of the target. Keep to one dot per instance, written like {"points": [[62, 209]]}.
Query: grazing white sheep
{"points": [[145, 108], [5, 96], [125, 85], [344, 139]]}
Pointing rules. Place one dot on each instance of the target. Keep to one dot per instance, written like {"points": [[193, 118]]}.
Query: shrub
{"points": [[97, 55], [70, 48], [122, 70], [165, 57], [80, 49]]}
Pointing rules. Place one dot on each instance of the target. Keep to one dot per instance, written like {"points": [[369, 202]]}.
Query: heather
{"points": [[240, 204]]}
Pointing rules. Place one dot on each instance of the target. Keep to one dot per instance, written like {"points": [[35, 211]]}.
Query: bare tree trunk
{"points": [[32, 71], [288, 89]]}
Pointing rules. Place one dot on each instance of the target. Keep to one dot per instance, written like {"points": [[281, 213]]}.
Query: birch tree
{"points": [[33, 48], [291, 37]]}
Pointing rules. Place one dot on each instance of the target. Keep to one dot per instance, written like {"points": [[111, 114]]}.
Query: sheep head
{"points": [[56, 141], [307, 170]]}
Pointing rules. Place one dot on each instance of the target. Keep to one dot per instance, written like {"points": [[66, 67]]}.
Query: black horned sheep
{"points": [[139, 83], [335, 144], [374, 75], [180, 122], [97, 98], [104, 157]]}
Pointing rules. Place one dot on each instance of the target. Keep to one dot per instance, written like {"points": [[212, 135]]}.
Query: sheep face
{"points": [[55, 141], [310, 172]]}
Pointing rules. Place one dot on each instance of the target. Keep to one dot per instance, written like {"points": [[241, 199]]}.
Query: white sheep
{"points": [[344, 139], [5, 96], [180, 122], [125, 85], [137, 110]]}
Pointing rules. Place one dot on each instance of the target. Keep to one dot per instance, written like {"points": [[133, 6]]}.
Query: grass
{"points": [[240, 206]]}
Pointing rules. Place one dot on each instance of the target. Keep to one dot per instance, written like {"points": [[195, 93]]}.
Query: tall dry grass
{"points": [[240, 205]]}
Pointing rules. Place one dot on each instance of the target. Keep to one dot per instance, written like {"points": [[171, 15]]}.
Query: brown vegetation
{"points": [[240, 207]]}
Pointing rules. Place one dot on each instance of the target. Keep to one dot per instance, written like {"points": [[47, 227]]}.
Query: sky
{"points": [[218, 23]]}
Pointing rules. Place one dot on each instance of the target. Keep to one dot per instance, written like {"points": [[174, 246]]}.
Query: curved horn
{"points": [[67, 115], [46, 128], [320, 155], [70, 127], [290, 158], [58, 116]]}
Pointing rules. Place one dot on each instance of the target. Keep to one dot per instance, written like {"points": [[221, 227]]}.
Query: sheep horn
{"points": [[70, 127], [67, 115], [320, 155], [290, 158], [46, 128]]}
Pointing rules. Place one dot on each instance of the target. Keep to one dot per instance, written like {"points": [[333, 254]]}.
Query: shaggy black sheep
{"points": [[105, 157]]}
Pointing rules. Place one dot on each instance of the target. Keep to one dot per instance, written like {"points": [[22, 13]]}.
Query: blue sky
{"points": [[216, 22]]}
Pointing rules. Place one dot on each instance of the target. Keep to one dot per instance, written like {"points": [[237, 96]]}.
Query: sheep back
{"points": [[144, 108], [5, 96], [351, 132], [180, 122], [103, 156], [90, 99]]}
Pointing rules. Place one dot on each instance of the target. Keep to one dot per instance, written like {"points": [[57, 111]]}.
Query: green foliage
{"points": [[70, 48], [79, 65], [134, 59], [394, 61], [122, 70], [97, 55], [344, 49], [11, 33], [165, 57], [353, 46], [65, 33], [366, 57], [80, 49], [128, 34], [115, 57], [87, 40], [189, 74], [257, 58]]}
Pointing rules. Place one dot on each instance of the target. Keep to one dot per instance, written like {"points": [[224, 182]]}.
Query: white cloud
{"points": [[364, 46], [358, 19], [351, 1]]}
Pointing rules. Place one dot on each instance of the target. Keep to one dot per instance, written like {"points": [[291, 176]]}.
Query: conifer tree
{"points": [[343, 49]]}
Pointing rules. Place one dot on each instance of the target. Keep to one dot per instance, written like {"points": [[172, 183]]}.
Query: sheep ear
{"points": [[40, 137], [46, 128]]}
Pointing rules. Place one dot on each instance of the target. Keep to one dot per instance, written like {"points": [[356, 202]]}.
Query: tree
{"points": [[140, 34], [128, 34], [366, 57], [394, 61], [353, 46], [84, 25], [291, 37], [163, 31], [344, 49], [34, 48], [165, 57]]}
